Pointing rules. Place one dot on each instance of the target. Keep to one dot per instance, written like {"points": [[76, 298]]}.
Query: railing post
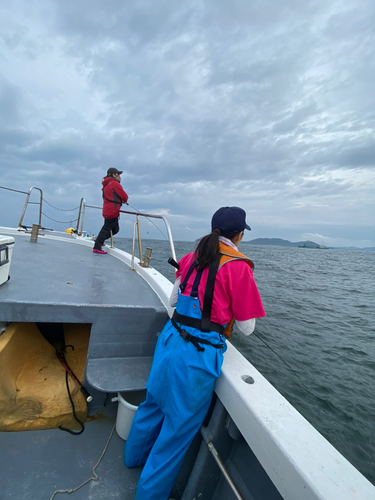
{"points": [[147, 258], [40, 207], [139, 241], [27, 202], [170, 238], [133, 251], [24, 209], [34, 233], [81, 212]]}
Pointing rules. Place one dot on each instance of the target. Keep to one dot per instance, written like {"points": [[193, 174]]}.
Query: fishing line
{"points": [[150, 221], [290, 368]]}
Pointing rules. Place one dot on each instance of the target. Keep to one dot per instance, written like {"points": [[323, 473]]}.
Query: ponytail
{"points": [[207, 249]]}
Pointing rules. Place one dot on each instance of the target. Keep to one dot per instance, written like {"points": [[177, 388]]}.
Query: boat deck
{"points": [[72, 276], [62, 281], [35, 464]]}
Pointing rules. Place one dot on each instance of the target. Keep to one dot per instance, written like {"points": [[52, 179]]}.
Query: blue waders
{"points": [[179, 393]]}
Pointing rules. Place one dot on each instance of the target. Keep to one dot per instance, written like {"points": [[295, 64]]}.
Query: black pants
{"points": [[109, 225]]}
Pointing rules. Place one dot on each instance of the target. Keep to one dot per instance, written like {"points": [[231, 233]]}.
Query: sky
{"points": [[267, 105]]}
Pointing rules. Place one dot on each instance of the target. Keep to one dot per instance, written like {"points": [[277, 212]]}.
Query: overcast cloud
{"points": [[267, 105]]}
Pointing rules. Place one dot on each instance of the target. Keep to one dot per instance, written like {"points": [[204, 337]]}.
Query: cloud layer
{"points": [[269, 106]]}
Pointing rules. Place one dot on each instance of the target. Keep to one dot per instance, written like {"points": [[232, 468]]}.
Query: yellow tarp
{"points": [[33, 392]]}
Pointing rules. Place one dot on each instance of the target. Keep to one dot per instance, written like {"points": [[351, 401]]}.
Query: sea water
{"points": [[320, 336]]}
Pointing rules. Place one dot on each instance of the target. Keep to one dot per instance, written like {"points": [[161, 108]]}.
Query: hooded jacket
{"points": [[113, 197]]}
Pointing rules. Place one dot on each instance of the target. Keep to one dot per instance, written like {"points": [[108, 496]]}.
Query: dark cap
{"points": [[113, 170], [230, 220]]}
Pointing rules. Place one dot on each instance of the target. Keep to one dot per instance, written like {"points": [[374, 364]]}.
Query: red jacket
{"points": [[113, 197]]}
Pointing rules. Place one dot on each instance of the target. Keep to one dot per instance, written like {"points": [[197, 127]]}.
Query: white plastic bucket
{"points": [[128, 403]]}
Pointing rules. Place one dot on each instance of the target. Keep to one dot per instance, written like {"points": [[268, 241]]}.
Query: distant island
{"points": [[303, 244]]}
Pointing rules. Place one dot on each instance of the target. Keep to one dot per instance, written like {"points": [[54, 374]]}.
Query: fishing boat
{"points": [[320, 247], [78, 331]]}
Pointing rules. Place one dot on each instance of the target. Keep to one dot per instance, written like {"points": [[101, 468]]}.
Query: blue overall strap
{"points": [[204, 324], [194, 340], [194, 290], [209, 294], [190, 270], [196, 323]]}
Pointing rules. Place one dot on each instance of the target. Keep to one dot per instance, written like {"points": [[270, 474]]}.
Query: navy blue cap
{"points": [[230, 220]]}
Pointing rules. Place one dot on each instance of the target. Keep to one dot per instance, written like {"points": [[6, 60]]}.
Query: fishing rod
{"points": [[148, 220], [173, 263]]}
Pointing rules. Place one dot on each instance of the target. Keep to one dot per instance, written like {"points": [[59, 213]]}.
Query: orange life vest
{"points": [[229, 254]]}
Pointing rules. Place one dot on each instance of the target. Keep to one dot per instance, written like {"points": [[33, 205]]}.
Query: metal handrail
{"points": [[148, 216], [81, 213], [81, 216], [20, 226]]}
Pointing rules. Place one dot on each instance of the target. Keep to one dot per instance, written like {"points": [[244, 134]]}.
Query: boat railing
{"points": [[21, 226], [147, 258], [78, 231], [81, 216], [27, 202], [144, 262]]}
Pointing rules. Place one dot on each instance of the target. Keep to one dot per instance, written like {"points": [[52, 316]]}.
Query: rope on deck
{"points": [[95, 476]]}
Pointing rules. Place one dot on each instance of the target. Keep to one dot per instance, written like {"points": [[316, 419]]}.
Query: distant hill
{"points": [[280, 242], [310, 244]]}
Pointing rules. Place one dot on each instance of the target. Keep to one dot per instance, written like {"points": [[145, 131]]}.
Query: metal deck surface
{"points": [[34, 464], [65, 273], [64, 281]]}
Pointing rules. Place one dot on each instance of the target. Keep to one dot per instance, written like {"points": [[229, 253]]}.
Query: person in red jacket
{"points": [[113, 197]]}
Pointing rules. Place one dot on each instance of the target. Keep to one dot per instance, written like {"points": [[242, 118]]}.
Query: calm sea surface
{"points": [[320, 307]]}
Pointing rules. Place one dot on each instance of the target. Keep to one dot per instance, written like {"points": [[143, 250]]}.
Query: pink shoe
{"points": [[98, 251]]}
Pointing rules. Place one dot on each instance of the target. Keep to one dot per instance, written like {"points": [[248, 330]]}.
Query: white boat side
{"points": [[301, 463]]}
